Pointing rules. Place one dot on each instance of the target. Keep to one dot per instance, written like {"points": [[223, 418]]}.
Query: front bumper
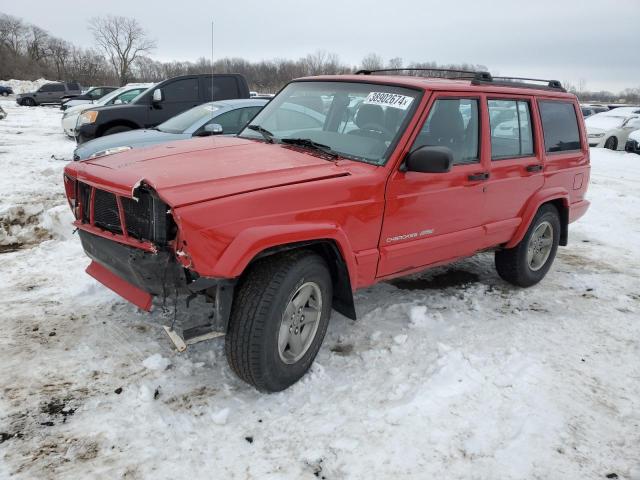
{"points": [[155, 273], [86, 132], [69, 125], [138, 275]]}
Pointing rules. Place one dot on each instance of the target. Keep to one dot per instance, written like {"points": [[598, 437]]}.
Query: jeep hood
{"points": [[196, 170]]}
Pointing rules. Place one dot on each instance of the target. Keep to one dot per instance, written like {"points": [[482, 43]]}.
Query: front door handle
{"points": [[475, 177], [534, 168]]}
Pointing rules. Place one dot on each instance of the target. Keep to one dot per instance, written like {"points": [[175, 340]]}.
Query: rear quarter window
{"points": [[221, 88], [560, 126]]}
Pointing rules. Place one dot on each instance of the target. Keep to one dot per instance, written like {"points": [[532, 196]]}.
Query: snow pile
{"points": [[24, 86], [451, 373]]}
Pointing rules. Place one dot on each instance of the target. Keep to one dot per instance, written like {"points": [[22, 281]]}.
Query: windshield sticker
{"points": [[389, 100]]}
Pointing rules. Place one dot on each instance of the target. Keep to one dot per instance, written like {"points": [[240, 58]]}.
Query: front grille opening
{"points": [[105, 211], [84, 197], [148, 218], [136, 217]]}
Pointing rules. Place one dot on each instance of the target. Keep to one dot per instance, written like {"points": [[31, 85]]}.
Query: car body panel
{"points": [[233, 198]]}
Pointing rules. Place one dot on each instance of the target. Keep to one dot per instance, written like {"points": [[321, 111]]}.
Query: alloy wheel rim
{"points": [[540, 244], [300, 322]]}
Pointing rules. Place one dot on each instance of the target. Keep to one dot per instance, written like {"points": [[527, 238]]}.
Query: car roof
{"points": [[239, 102], [621, 112], [430, 83]]}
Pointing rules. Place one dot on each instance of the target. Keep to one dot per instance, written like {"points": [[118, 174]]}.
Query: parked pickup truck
{"points": [[340, 182], [166, 100]]}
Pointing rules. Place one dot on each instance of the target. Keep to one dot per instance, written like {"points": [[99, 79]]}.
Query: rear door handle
{"points": [[534, 168], [475, 177]]}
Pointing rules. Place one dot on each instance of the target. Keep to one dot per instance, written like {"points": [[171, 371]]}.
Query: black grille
{"points": [[84, 194], [137, 215], [105, 211], [147, 219]]}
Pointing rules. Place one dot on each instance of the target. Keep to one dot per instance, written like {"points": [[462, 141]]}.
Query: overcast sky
{"points": [[596, 41]]}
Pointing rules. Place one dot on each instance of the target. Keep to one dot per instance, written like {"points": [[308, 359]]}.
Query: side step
{"points": [[190, 336]]}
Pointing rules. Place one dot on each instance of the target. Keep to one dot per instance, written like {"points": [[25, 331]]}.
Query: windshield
{"points": [[180, 123], [110, 96], [361, 121], [605, 122], [143, 92]]}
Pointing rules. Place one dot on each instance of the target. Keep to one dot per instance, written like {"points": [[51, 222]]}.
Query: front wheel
{"points": [[528, 262], [611, 143], [279, 318], [5, 94]]}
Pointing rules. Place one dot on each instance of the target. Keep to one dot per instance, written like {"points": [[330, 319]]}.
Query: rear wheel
{"points": [[528, 262], [611, 143], [5, 94], [279, 318], [117, 129]]}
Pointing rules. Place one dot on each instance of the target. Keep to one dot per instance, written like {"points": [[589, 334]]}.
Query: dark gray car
{"points": [[49, 93], [226, 117]]}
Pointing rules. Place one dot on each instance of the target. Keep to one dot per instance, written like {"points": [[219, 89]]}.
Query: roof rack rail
{"points": [[460, 74], [522, 82], [480, 78]]}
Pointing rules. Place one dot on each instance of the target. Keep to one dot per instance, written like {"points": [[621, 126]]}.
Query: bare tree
{"points": [[123, 41], [12, 32], [372, 61], [395, 62]]}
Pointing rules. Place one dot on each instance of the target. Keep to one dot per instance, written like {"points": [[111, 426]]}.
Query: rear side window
{"points": [[73, 86], [560, 126], [452, 123], [181, 90], [510, 129], [220, 88]]}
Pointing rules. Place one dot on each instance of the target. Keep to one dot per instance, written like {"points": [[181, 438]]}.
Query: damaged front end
{"points": [[136, 251]]}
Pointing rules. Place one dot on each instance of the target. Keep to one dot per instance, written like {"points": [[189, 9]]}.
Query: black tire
{"points": [[116, 129], [29, 102], [261, 297], [5, 94], [611, 143], [513, 265]]}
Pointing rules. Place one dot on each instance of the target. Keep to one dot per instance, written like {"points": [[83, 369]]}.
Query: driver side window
{"points": [[452, 123]]}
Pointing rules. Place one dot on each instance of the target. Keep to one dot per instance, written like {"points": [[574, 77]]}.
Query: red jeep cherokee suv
{"points": [[338, 183]]}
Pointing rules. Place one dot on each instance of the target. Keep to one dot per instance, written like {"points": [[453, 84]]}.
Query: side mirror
{"points": [[157, 95], [429, 160], [211, 129], [117, 102]]}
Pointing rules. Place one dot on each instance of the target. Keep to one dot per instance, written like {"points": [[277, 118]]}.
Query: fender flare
{"points": [[247, 245], [532, 207]]}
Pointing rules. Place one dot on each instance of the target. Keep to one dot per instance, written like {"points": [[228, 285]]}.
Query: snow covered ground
{"points": [[450, 374]]}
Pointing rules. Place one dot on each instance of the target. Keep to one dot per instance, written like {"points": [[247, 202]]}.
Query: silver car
{"points": [[225, 117]]}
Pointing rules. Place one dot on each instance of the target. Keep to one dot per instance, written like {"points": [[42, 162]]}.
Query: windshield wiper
{"points": [[268, 136], [308, 143]]}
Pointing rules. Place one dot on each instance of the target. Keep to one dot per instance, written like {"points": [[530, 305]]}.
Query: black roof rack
{"points": [[480, 78], [522, 82], [456, 74]]}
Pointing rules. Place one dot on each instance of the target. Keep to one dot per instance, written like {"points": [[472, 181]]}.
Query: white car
{"points": [[122, 95], [611, 129]]}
